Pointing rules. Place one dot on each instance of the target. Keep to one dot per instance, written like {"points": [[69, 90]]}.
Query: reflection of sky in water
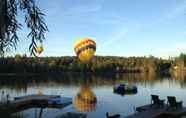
{"points": [[107, 100]]}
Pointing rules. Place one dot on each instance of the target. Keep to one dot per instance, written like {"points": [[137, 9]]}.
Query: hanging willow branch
{"points": [[9, 25]]}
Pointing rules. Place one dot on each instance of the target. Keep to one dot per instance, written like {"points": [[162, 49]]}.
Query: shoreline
{"points": [[66, 73]]}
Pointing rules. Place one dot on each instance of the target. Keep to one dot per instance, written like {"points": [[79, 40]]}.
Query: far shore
{"points": [[64, 73]]}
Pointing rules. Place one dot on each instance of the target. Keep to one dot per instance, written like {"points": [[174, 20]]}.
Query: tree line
{"points": [[98, 64]]}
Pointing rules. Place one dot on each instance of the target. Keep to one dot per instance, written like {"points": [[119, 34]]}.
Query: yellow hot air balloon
{"points": [[39, 49], [85, 100], [85, 49]]}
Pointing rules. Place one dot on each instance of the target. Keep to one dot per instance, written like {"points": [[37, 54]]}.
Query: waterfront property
{"points": [[147, 111], [102, 86], [157, 109]]}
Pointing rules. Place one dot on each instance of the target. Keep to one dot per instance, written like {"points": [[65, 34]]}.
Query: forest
{"points": [[99, 64]]}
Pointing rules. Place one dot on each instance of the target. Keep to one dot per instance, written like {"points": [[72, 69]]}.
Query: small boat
{"points": [[113, 116], [124, 89]]}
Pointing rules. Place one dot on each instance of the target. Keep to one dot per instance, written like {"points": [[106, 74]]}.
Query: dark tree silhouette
{"points": [[98, 65], [9, 24]]}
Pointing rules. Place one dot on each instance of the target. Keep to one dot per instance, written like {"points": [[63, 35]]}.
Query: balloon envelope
{"points": [[39, 49], [85, 49]]}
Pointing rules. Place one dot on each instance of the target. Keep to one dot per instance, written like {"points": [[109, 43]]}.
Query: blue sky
{"points": [[119, 27]]}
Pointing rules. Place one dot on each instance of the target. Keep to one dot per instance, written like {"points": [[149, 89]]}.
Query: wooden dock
{"points": [[36, 101], [157, 112]]}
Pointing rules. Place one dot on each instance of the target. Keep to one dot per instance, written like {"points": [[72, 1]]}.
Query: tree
{"points": [[9, 24]]}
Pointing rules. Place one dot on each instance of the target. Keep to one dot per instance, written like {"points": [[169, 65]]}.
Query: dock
{"points": [[147, 111], [36, 101]]}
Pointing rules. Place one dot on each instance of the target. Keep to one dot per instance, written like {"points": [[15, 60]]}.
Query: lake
{"points": [[101, 86]]}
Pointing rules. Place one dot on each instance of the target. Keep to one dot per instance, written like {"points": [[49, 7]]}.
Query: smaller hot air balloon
{"points": [[85, 100], [39, 49], [40, 92], [85, 49]]}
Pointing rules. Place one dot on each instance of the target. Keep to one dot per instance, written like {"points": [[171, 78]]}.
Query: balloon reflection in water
{"points": [[85, 100]]}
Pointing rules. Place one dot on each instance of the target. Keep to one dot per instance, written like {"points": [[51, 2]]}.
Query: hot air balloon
{"points": [[39, 49], [85, 49], [85, 100]]}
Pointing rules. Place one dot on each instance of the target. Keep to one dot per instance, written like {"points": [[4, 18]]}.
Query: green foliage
{"points": [[182, 57], [98, 64], [9, 24]]}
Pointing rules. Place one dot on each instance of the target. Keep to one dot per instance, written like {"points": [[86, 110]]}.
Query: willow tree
{"points": [[9, 24]]}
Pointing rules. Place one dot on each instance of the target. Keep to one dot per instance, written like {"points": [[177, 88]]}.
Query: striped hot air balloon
{"points": [[85, 49]]}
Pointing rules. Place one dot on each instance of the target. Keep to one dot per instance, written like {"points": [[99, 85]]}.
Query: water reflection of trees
{"points": [[179, 77], [22, 83]]}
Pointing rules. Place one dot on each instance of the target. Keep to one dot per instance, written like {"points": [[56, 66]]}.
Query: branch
{"points": [[8, 25], [34, 19]]}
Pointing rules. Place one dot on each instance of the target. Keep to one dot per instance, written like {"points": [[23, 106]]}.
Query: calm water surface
{"points": [[101, 86]]}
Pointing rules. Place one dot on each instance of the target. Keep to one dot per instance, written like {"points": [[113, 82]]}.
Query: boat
{"points": [[124, 89]]}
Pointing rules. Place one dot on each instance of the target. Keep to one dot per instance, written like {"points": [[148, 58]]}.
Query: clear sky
{"points": [[119, 27]]}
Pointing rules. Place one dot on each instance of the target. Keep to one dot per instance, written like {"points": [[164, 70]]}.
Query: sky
{"points": [[119, 27]]}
